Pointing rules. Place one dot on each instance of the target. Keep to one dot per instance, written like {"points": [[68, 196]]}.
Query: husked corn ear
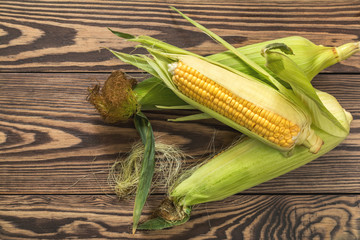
{"points": [[264, 123], [255, 109], [205, 91]]}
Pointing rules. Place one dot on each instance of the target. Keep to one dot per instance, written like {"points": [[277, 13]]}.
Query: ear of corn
{"points": [[249, 163], [242, 166], [306, 136]]}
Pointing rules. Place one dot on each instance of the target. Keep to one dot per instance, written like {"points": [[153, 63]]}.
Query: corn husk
{"points": [[245, 164]]}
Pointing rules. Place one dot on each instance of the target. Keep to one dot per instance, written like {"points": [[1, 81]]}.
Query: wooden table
{"points": [[55, 151]]}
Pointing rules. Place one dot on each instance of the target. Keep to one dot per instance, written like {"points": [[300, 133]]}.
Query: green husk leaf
{"points": [[178, 107], [160, 223], [144, 128], [288, 70], [194, 117], [122, 34], [152, 92], [150, 42], [311, 58], [346, 50], [334, 107], [138, 61], [281, 46]]}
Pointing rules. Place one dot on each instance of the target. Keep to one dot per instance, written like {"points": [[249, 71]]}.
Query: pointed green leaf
{"points": [[122, 35], [137, 61], [176, 107], [152, 92], [194, 117], [144, 128], [159, 223]]}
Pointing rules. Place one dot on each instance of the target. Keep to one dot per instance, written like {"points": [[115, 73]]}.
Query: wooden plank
{"points": [[53, 36], [53, 142], [238, 217], [55, 152]]}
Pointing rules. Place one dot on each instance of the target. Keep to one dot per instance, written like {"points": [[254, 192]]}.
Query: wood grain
{"points": [[71, 36], [53, 139], [250, 217], [55, 152]]}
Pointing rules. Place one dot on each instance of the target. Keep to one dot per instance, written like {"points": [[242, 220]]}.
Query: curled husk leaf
{"points": [[115, 101]]}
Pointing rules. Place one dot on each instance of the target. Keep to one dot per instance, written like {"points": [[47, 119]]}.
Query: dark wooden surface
{"points": [[55, 151]]}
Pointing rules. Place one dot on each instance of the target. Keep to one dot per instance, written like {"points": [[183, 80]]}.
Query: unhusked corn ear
{"points": [[265, 123]]}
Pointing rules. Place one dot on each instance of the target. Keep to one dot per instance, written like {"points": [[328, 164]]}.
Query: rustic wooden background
{"points": [[55, 151]]}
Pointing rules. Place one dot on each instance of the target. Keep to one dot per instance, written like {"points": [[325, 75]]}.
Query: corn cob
{"points": [[252, 107]]}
